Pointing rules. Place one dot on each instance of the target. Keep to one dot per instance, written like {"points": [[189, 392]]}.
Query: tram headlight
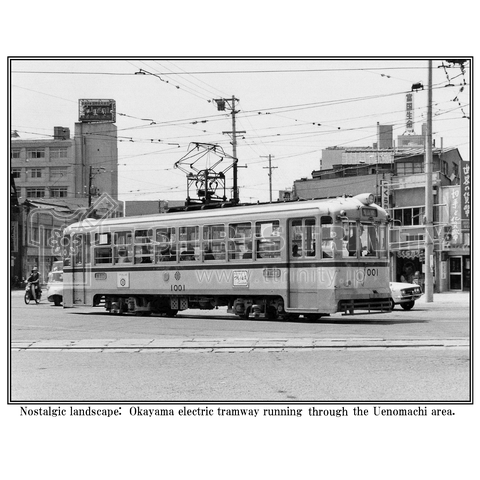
{"points": [[366, 198]]}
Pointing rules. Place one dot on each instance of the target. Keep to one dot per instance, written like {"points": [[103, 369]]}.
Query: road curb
{"points": [[221, 345]]}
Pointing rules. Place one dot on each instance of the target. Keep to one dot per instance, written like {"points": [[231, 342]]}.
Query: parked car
{"points": [[404, 294], [55, 284]]}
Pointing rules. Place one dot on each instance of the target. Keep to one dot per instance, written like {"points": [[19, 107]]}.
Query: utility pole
{"points": [[92, 171], [269, 172], [429, 195], [221, 107]]}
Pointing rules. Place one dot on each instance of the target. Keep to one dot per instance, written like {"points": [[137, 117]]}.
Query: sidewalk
{"points": [[458, 298]]}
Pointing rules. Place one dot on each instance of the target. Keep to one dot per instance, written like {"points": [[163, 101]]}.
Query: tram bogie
{"points": [[270, 261]]}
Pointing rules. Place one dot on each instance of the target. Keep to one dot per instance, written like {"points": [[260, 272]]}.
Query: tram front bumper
{"points": [[372, 302]]}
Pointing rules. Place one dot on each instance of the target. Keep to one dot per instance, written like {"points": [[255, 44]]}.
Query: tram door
{"points": [[302, 281], [80, 253]]}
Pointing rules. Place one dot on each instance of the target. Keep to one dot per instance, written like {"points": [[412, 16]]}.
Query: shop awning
{"points": [[420, 254]]}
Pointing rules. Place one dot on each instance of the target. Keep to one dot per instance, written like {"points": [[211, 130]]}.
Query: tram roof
{"points": [[332, 205]]}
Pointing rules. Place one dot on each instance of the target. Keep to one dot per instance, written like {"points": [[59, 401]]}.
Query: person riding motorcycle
{"points": [[34, 279]]}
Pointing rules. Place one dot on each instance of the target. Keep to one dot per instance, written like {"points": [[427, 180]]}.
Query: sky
{"points": [[288, 108]]}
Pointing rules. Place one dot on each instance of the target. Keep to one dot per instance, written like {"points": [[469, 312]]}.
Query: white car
{"points": [[55, 284], [404, 294]]}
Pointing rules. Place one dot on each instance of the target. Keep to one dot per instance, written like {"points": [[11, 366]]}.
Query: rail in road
{"points": [[200, 344]]}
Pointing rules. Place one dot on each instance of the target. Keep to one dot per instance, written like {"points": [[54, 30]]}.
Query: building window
{"points": [[409, 216], [409, 168], [61, 152], [36, 173], [15, 154], [57, 172], [16, 172], [35, 192], [58, 192], [455, 169], [36, 153], [445, 168]]}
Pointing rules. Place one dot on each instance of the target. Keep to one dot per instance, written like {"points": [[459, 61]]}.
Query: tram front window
{"points": [[361, 239]]}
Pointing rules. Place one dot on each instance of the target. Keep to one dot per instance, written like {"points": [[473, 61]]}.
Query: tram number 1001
{"points": [[177, 288]]}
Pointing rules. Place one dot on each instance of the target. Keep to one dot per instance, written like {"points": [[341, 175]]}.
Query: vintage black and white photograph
{"points": [[240, 230]]}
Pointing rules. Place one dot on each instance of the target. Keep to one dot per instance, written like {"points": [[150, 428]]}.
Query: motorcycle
{"points": [[32, 293]]}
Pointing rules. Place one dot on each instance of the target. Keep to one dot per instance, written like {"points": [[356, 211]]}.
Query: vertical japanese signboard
{"points": [[455, 214], [385, 194], [409, 112], [465, 194]]}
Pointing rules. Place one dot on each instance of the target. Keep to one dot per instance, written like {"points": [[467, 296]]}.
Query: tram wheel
{"points": [[271, 313], [392, 304], [246, 314]]}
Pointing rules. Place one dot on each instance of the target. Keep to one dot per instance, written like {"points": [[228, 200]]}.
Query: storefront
{"points": [[456, 270], [455, 256], [409, 266]]}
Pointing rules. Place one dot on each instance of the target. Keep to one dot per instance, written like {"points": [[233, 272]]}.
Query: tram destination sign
{"points": [[369, 212], [96, 110]]}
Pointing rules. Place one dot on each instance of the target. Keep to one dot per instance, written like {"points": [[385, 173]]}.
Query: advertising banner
{"points": [[96, 110], [465, 195]]}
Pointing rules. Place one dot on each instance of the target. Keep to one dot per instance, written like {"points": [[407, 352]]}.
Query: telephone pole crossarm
{"points": [[221, 106]]}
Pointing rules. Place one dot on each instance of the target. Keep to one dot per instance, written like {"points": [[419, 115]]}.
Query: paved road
{"points": [[85, 355]]}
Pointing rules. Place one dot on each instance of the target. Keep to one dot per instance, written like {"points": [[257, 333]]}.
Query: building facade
{"points": [[57, 181]]}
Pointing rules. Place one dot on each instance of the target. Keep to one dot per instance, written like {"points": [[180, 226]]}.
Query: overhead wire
{"points": [[248, 115]]}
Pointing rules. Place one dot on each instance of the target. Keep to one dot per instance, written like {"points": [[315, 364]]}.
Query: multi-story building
{"points": [[57, 180]]}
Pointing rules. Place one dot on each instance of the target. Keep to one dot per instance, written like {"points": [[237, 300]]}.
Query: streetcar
{"points": [[285, 259]]}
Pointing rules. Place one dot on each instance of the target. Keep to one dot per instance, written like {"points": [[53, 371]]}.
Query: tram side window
{"points": [[352, 243], [122, 249], [268, 238], [189, 244], [165, 245], [214, 242], [77, 248], [382, 241], [66, 250], [240, 241], [143, 246], [103, 248], [332, 237], [87, 249], [303, 238]]}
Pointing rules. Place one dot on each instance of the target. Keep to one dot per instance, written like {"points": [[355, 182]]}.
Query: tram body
{"points": [[308, 258]]}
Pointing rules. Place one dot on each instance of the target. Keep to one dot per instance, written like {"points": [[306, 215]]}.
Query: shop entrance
{"points": [[410, 270], [460, 273]]}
